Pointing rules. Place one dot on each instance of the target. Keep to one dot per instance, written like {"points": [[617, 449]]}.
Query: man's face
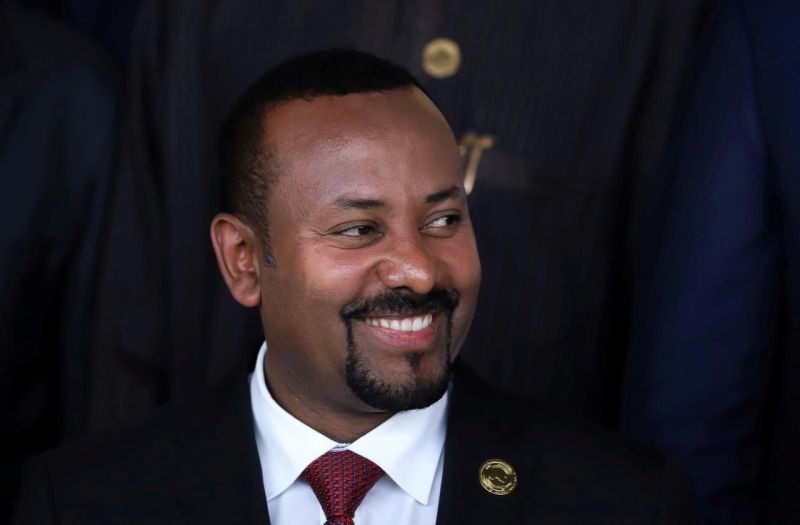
{"points": [[376, 271]]}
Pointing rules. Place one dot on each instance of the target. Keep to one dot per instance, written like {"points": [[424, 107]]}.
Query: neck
{"points": [[341, 422]]}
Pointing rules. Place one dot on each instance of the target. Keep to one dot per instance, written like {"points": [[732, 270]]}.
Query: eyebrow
{"points": [[347, 203], [350, 203], [439, 196]]}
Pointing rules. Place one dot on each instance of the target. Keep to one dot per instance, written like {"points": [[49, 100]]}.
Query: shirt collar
{"points": [[407, 446]]}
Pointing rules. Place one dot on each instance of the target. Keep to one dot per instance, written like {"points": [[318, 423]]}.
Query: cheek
{"points": [[468, 266], [463, 267], [327, 282], [463, 274], [340, 270], [300, 313]]}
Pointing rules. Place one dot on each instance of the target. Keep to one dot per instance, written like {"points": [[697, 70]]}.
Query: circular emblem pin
{"points": [[441, 58], [498, 477]]}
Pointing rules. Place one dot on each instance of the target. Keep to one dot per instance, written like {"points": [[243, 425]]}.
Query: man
{"points": [[348, 228]]}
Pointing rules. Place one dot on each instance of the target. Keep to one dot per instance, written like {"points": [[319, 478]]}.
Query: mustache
{"points": [[402, 303]]}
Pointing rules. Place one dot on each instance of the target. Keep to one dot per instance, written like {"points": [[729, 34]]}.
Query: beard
{"points": [[419, 391]]}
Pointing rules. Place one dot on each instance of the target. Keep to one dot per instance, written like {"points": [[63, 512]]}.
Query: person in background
{"points": [[59, 113], [714, 372]]}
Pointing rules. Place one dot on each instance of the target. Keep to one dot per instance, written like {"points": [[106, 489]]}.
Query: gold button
{"points": [[441, 58], [498, 477]]}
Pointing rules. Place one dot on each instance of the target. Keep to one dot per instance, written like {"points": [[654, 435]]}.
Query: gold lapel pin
{"points": [[498, 477]]}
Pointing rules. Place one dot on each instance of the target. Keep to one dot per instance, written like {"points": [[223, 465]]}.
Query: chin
{"points": [[418, 386], [396, 396], [398, 381]]}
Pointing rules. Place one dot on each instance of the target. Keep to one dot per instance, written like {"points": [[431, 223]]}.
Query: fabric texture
{"points": [[341, 479]]}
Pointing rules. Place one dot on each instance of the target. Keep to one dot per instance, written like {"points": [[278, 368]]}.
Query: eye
{"points": [[444, 220], [355, 234], [443, 225], [360, 230]]}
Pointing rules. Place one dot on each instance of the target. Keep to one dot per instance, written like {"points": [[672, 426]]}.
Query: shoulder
{"points": [[565, 439], [567, 465], [138, 468], [222, 404]]}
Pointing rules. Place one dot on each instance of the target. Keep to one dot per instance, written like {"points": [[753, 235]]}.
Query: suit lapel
{"points": [[478, 423], [216, 467]]}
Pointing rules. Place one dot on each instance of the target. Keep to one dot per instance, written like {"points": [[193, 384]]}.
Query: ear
{"points": [[236, 247]]}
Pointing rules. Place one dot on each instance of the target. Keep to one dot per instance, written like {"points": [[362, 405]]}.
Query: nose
{"points": [[408, 264]]}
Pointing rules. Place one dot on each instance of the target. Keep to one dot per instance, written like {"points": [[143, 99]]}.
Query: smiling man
{"points": [[347, 226], [363, 261]]}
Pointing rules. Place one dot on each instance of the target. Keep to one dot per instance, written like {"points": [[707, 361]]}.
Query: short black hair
{"points": [[247, 167]]}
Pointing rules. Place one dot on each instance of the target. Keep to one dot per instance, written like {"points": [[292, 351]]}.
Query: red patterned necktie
{"points": [[340, 480]]}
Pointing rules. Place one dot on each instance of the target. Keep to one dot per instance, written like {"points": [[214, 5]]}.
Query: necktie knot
{"points": [[341, 479]]}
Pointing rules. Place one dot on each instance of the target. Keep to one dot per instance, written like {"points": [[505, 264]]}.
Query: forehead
{"points": [[394, 113], [367, 141]]}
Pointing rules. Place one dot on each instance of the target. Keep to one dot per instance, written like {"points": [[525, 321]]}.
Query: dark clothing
{"points": [[579, 97], [58, 119], [107, 23], [198, 463], [714, 374]]}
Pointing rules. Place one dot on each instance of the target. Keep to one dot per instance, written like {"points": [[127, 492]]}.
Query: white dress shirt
{"points": [[409, 447]]}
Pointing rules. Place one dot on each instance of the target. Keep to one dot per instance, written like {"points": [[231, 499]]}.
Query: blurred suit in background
{"points": [[714, 372], [58, 131], [577, 96], [108, 23]]}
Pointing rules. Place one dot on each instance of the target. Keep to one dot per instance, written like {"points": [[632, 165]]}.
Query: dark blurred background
{"points": [[635, 204]]}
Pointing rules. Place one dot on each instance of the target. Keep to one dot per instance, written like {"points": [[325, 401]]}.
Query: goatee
{"points": [[421, 391]]}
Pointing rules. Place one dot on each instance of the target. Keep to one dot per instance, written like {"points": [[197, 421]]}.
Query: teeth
{"points": [[407, 324]]}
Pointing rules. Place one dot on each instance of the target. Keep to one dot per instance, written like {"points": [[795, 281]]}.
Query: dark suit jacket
{"points": [[719, 298], [198, 463]]}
